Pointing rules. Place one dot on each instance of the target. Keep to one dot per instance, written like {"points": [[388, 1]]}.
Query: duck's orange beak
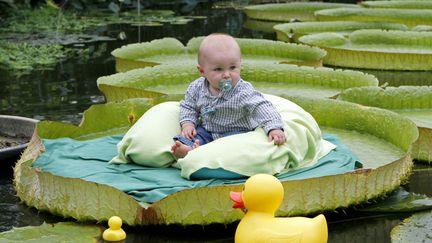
{"points": [[236, 197]]}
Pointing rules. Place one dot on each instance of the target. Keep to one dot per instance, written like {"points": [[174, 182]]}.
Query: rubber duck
{"points": [[114, 232], [261, 197]]}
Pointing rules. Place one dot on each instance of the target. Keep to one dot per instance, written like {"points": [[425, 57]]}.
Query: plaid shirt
{"points": [[240, 109]]}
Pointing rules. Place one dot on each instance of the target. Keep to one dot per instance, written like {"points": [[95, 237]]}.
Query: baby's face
{"points": [[221, 63]]}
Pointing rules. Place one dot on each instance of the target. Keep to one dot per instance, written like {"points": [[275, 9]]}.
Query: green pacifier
{"points": [[225, 84]]}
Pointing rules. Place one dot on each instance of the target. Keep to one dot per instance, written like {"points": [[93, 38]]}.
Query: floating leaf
{"points": [[410, 17], [376, 49], [284, 12], [417, 228], [419, 4], [416, 105], [382, 146], [59, 232], [274, 79], [172, 51], [293, 31]]}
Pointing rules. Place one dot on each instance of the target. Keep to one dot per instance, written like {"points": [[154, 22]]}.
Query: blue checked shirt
{"points": [[240, 109]]}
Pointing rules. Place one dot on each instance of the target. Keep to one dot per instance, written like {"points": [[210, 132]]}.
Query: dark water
{"points": [[64, 93]]}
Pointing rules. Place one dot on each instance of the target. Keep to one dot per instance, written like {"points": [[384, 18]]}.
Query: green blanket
{"points": [[88, 159]]}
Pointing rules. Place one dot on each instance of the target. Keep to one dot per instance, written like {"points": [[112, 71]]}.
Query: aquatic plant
{"points": [[291, 32], [413, 102], [302, 11], [416, 228], [419, 4], [26, 57], [172, 80], [376, 49], [409, 17], [172, 51], [59, 232], [382, 146], [41, 44]]}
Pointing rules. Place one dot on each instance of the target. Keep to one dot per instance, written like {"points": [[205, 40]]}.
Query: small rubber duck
{"points": [[115, 232], [261, 197]]}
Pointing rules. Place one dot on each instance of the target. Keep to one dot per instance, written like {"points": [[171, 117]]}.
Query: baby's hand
{"points": [[278, 136], [188, 131]]}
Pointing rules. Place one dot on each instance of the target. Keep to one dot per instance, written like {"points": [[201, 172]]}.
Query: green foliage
{"points": [[37, 34], [60, 232], [303, 11], [26, 57], [289, 31], [410, 17], [375, 49], [417, 228], [29, 20]]}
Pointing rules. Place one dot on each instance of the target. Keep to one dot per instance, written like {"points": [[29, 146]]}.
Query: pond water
{"points": [[64, 93]]}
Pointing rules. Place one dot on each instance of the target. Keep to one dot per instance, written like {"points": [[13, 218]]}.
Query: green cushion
{"points": [[149, 142]]}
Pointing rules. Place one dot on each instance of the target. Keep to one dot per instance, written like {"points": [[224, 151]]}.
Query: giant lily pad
{"points": [[60, 232], [413, 102], [422, 4], [410, 17], [275, 79], [401, 78], [260, 25], [292, 31], [286, 11], [171, 51], [376, 49], [380, 138], [417, 228]]}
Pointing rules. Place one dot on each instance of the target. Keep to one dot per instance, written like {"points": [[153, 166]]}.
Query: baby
{"points": [[220, 103]]}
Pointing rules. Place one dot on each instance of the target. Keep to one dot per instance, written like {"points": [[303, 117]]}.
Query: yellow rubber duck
{"points": [[115, 232], [261, 197]]}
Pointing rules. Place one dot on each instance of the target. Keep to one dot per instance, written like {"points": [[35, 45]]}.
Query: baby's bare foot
{"points": [[180, 150]]}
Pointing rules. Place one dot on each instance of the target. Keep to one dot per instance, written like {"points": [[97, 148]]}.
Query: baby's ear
{"points": [[200, 69]]}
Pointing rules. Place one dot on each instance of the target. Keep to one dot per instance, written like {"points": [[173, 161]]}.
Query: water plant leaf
{"points": [[416, 105], [386, 141], [399, 201], [422, 28], [127, 113], [419, 4], [401, 78], [28, 20], [376, 49], [59, 232], [172, 51], [416, 228], [291, 32], [284, 12], [409, 17], [260, 25], [26, 57], [275, 79]]}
